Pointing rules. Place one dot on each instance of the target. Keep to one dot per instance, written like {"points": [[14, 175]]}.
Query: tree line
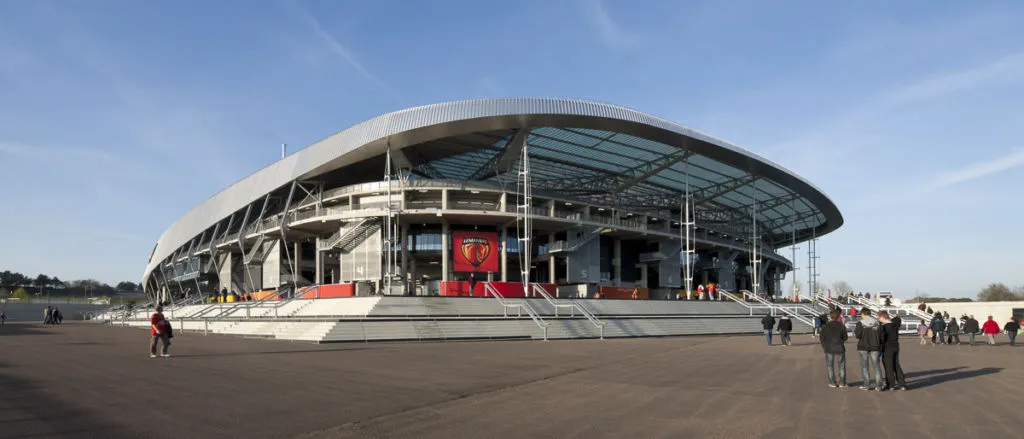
{"points": [[18, 285]]}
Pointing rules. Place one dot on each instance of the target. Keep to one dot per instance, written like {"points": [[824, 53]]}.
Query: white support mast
{"points": [[793, 249], [687, 226], [754, 261], [389, 229], [812, 264], [523, 217]]}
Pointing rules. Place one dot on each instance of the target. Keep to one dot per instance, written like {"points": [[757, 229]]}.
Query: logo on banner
{"points": [[475, 251]]}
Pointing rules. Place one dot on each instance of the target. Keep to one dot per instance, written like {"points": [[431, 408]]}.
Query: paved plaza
{"points": [[83, 380]]}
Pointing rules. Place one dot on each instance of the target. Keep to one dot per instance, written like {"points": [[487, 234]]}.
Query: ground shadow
{"points": [[908, 375], [249, 354], [920, 373], [22, 328], [939, 379], [35, 412]]}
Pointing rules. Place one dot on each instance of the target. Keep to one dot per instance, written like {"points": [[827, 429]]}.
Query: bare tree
{"points": [[840, 287], [996, 292]]}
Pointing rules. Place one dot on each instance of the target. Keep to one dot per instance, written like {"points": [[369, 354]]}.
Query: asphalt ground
{"points": [[84, 380]]}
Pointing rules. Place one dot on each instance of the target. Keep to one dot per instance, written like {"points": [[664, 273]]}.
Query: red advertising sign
{"points": [[475, 251]]}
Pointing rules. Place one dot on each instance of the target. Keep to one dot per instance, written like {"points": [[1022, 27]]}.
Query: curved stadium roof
{"points": [[598, 153]]}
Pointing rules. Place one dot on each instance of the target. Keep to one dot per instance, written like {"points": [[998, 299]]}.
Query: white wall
{"points": [[1000, 311]]}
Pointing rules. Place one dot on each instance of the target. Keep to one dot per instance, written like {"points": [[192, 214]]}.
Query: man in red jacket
{"points": [[990, 328], [159, 329]]}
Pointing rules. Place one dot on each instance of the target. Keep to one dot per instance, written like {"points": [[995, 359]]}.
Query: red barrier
{"points": [[506, 289], [624, 293], [259, 295], [328, 291]]}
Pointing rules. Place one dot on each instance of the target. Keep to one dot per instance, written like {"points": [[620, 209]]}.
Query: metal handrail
{"points": [[573, 305], [519, 306], [781, 306], [911, 311], [766, 304], [551, 301], [829, 300]]}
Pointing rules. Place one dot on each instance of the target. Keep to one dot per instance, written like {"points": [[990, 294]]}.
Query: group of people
{"points": [[784, 327], [52, 316], [878, 347], [945, 330], [706, 293]]}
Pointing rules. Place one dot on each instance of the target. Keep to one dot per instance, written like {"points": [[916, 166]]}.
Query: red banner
{"points": [[475, 252]]}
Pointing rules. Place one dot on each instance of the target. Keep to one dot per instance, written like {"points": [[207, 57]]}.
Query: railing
{"points": [[520, 307], [573, 306], [331, 241], [792, 309], [771, 307], [909, 310], [832, 303]]}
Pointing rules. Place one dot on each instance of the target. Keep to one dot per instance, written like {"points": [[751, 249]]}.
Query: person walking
{"points": [[3, 318], [890, 339], [785, 327], [768, 322], [159, 330], [46, 315], [953, 332], [819, 321], [472, 284], [1011, 329], [922, 331], [990, 328], [971, 328], [869, 349], [833, 343], [938, 329]]}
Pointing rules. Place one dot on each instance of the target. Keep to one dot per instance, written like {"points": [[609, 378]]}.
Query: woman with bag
{"points": [[924, 332]]}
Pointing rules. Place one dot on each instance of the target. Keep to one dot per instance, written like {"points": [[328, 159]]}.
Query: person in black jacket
{"points": [[869, 348], [768, 322], [891, 353], [971, 328], [953, 332], [938, 329], [833, 342], [785, 327], [1011, 329]]}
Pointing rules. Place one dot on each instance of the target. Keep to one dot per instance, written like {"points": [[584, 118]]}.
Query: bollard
{"points": [[206, 326]]}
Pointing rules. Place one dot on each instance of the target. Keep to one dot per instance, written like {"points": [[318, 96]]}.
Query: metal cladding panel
{"points": [[414, 125]]}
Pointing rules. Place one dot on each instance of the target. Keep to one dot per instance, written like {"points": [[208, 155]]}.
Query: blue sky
{"points": [[116, 117]]}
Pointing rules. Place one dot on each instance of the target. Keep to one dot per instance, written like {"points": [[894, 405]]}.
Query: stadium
{"points": [[541, 204]]}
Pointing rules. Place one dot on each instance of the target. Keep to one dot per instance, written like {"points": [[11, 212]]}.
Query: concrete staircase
{"points": [[394, 318]]}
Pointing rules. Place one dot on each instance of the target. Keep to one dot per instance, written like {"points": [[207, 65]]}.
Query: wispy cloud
{"points": [[344, 53], [978, 170], [612, 34], [847, 132], [56, 154], [1009, 67]]}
